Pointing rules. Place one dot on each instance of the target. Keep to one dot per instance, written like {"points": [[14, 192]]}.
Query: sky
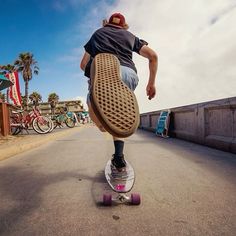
{"points": [[195, 42]]}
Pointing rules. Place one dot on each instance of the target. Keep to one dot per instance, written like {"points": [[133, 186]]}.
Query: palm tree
{"points": [[53, 99], [35, 98], [23, 101], [26, 64], [4, 69]]}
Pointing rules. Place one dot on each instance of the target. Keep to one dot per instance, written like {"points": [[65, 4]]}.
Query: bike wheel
{"points": [[15, 127], [55, 122], [42, 124], [70, 122], [53, 126], [15, 130]]}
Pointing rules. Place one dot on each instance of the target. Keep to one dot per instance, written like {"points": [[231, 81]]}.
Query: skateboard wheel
{"points": [[135, 199], [107, 200]]}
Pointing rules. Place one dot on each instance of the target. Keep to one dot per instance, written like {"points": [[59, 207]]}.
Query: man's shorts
{"points": [[129, 77]]}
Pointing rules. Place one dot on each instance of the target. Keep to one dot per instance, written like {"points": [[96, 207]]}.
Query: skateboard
{"points": [[120, 184], [163, 123]]}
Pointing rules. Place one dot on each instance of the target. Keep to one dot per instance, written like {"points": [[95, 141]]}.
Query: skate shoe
{"points": [[118, 167], [113, 102], [118, 162]]}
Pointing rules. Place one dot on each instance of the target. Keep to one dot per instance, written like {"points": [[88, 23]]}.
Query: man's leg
{"points": [[119, 146], [130, 78], [94, 117], [118, 158], [115, 105]]}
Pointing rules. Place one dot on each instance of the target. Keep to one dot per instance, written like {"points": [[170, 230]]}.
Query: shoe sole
{"points": [[113, 102]]}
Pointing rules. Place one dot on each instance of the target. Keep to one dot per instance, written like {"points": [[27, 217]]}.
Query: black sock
{"points": [[119, 147]]}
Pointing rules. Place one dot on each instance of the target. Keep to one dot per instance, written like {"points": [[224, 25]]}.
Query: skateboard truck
{"points": [[121, 186], [134, 199]]}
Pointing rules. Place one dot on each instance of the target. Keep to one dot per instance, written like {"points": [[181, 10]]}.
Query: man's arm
{"points": [[84, 61], [151, 55]]}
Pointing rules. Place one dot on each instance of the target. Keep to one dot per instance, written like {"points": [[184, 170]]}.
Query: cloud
{"points": [[222, 13], [194, 42]]}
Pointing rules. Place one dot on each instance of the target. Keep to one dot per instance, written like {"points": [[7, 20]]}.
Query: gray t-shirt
{"points": [[119, 42]]}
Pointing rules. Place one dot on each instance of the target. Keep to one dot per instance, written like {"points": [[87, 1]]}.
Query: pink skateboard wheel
{"points": [[107, 199], [135, 199]]}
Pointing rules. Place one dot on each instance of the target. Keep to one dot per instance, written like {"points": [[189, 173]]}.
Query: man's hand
{"points": [[147, 52], [151, 91]]}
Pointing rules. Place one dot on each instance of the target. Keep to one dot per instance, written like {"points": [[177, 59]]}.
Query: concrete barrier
{"points": [[209, 123]]}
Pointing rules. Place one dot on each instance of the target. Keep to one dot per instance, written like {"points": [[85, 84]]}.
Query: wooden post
{"points": [[4, 119]]}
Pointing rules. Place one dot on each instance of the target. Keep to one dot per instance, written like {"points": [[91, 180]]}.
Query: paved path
{"points": [[56, 189], [15, 144]]}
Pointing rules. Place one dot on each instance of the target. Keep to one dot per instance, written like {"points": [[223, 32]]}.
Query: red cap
{"points": [[118, 20]]}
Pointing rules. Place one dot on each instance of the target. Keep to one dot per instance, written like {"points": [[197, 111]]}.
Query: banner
{"points": [[14, 90]]}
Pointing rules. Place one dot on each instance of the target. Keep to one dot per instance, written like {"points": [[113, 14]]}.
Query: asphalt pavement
{"points": [[57, 188], [15, 144]]}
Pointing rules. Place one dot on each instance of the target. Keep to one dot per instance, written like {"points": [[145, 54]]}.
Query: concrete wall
{"points": [[210, 123]]}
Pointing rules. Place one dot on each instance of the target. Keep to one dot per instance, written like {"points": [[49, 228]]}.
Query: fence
{"points": [[4, 119], [209, 123]]}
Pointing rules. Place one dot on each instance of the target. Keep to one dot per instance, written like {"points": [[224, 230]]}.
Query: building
{"points": [[71, 105]]}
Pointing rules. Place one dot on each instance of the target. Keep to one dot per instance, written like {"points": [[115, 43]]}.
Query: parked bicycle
{"points": [[21, 120], [64, 117]]}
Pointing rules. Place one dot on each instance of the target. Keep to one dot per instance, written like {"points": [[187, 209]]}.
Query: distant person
{"points": [[114, 38]]}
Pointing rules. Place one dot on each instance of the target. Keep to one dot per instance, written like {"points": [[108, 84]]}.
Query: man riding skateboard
{"points": [[108, 53]]}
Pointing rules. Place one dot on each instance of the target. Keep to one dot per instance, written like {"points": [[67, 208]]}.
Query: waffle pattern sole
{"points": [[115, 104]]}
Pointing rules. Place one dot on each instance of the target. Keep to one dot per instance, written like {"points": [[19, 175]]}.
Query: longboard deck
{"points": [[120, 184]]}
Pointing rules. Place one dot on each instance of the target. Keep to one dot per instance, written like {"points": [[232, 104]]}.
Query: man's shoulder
{"points": [[99, 29], [113, 29]]}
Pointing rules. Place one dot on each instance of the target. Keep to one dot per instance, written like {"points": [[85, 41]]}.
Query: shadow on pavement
{"points": [[21, 191]]}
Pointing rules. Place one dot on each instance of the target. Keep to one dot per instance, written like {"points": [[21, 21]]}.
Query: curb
{"points": [[29, 142]]}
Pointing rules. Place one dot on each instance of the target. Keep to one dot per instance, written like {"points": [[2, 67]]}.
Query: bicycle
{"points": [[20, 121], [64, 117]]}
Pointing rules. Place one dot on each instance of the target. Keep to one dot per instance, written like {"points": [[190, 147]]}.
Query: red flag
{"points": [[14, 90]]}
